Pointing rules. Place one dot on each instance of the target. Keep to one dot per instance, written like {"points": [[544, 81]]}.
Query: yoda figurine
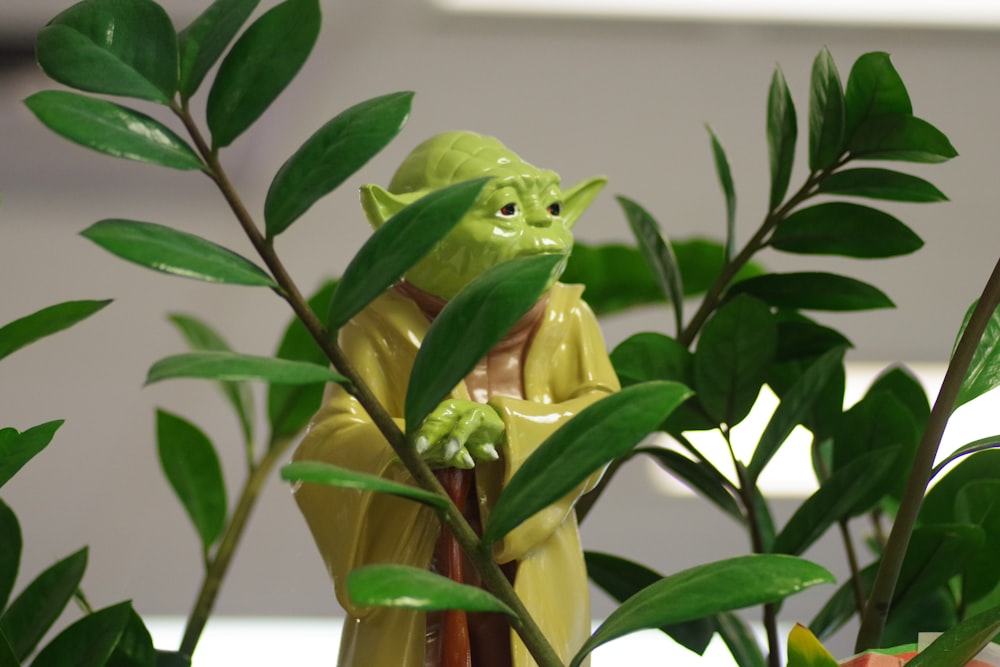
{"points": [[551, 365]]}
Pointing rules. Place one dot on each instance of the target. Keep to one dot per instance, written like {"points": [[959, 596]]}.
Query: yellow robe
{"points": [[566, 368]]}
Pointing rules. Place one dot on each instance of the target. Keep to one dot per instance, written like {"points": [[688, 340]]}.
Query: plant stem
{"points": [[852, 562], [877, 609]]}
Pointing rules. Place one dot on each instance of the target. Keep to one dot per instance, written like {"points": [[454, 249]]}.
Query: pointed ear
{"points": [[578, 198], [379, 204]]}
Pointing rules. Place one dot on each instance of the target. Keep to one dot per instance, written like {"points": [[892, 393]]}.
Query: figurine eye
{"points": [[508, 210], [554, 210]]}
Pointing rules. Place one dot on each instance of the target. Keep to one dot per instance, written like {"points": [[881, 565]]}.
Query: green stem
{"points": [[877, 609]]}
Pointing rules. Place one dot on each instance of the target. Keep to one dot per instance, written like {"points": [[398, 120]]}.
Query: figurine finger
{"points": [[484, 451], [466, 426]]}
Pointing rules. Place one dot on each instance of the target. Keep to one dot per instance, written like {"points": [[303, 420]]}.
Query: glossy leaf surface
{"points": [[804, 650], [899, 137], [234, 367], [725, 176], [260, 65], [470, 325], [178, 253], [782, 131], [708, 589], [89, 642], [314, 472], [16, 449], [416, 588], [192, 467], [959, 644], [978, 504], [813, 291], [45, 322], [983, 444], [135, 647], [331, 155], [874, 87], [826, 113], [202, 43], [397, 245], [984, 369], [876, 183], [700, 476], [840, 228], [112, 129], [37, 607], [117, 47], [604, 431], [10, 555], [939, 504]]}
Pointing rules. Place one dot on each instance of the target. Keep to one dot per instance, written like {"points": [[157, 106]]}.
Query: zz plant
{"points": [[747, 332]]}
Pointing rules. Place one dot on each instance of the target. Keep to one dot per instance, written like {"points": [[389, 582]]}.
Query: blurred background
{"points": [[584, 93]]}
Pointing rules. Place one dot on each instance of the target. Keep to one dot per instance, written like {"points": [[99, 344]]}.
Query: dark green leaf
{"points": [[260, 65], [7, 657], [16, 449], [880, 184], [841, 606], [113, 47], [904, 385], [936, 553], [728, 190], [313, 472], [813, 291], [10, 555], [289, 407], [799, 338], [939, 504], [762, 513], [202, 42], [740, 640], [794, 407], [782, 131], [89, 642], [175, 252], [984, 369], [172, 659], [838, 497], [416, 588], [602, 432], [332, 155], [701, 476], [111, 129], [826, 113], [36, 608], [734, 351], [873, 88], [135, 648], [192, 467], [959, 644], [991, 442], [621, 579], [658, 255], [708, 589], [234, 367], [399, 244], [45, 322], [899, 137], [840, 228], [470, 325], [978, 504]]}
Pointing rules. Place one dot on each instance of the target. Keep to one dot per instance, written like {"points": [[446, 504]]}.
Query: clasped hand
{"points": [[458, 433]]}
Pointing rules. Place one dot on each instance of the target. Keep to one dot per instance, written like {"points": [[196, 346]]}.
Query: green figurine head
{"points": [[522, 211]]}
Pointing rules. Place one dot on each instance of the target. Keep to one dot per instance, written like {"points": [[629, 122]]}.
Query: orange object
{"points": [[883, 660]]}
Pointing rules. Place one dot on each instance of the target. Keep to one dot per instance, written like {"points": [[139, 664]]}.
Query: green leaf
{"points": [[172, 659], [761, 511], [734, 351], [877, 183], [813, 291], [841, 606], [804, 650], [399, 244], [192, 467], [10, 555], [842, 495], [89, 642], [728, 190], [984, 369], [826, 113], [135, 648], [658, 255], [740, 640], [112, 129], [113, 47], [260, 65], [621, 579], [45, 322], [904, 385], [602, 432], [898, 137], [978, 504], [16, 449], [202, 42], [36, 608], [959, 644], [418, 589], [936, 553], [7, 657], [470, 325], [800, 338], [332, 155], [164, 249], [840, 228], [991, 442], [313, 472], [708, 589], [290, 407], [782, 131], [939, 504], [701, 476], [795, 406], [873, 88], [234, 367]]}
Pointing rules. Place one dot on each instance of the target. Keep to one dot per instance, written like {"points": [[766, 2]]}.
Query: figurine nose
{"points": [[542, 220]]}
